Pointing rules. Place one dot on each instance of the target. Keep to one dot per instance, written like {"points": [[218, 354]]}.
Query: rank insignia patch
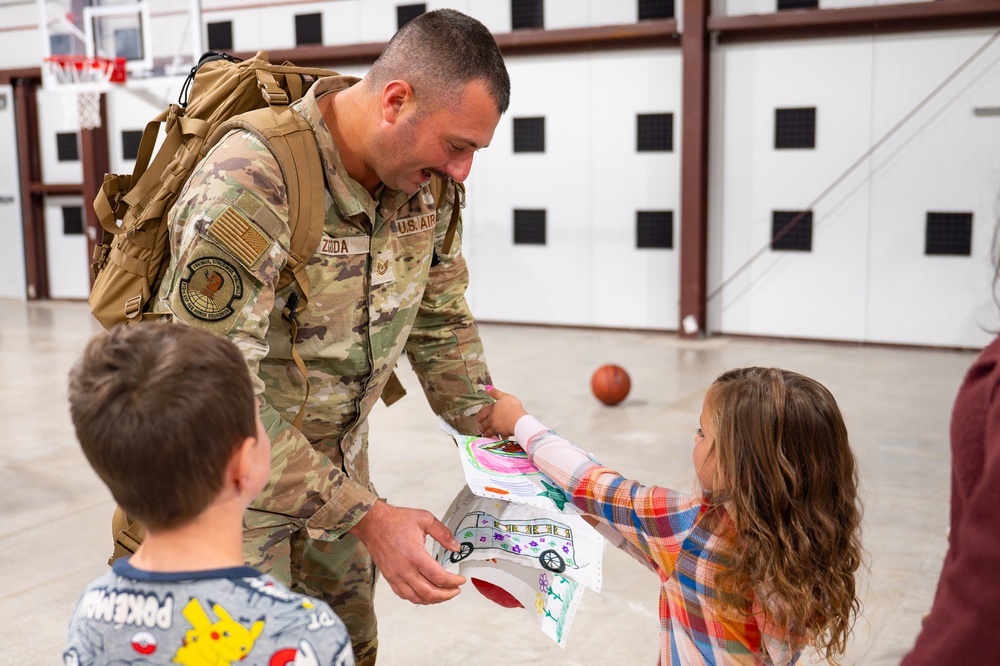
{"points": [[210, 288], [240, 236], [382, 269]]}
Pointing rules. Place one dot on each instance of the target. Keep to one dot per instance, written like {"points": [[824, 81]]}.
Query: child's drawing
{"points": [[530, 537], [517, 531], [548, 541], [550, 599], [500, 468]]}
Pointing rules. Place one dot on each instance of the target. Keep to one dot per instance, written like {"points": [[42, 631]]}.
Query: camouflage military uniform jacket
{"points": [[374, 293]]}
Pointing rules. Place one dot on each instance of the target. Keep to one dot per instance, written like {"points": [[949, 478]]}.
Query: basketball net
{"points": [[80, 82]]}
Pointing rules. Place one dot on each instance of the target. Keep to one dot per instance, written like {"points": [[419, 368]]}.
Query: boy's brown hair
{"points": [[159, 409]]}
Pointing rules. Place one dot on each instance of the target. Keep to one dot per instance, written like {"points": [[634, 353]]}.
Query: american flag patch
{"points": [[241, 237]]}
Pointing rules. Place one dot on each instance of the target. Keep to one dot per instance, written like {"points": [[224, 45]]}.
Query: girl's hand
{"points": [[500, 418]]}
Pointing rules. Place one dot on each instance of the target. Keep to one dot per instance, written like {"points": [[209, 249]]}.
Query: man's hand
{"points": [[500, 418], [395, 538]]}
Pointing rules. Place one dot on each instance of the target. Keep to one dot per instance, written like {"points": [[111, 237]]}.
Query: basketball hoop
{"points": [[80, 81]]}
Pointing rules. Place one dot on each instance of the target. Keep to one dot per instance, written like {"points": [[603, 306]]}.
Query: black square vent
{"points": [[795, 128], [655, 132], [220, 36], [130, 143], [308, 29], [655, 9], [67, 146], [406, 13], [788, 236], [72, 220], [949, 234], [529, 227], [797, 4], [529, 135], [526, 15], [654, 229]]}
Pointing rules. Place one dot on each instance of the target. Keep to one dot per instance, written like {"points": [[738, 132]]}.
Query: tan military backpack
{"points": [[134, 252]]}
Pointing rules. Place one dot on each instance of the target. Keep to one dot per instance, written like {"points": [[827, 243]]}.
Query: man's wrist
{"points": [[369, 521]]}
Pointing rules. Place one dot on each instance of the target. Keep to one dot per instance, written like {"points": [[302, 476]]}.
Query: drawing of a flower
{"points": [[516, 549], [565, 548], [533, 544], [482, 538], [497, 536], [543, 583]]}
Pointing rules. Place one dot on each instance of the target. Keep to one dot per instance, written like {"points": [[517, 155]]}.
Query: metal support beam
{"points": [[854, 21], [32, 201], [694, 169]]}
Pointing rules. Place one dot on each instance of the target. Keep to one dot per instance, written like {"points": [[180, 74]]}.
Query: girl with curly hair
{"points": [[759, 563]]}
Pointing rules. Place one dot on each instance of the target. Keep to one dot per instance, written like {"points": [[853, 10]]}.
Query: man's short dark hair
{"points": [[159, 410], [438, 53]]}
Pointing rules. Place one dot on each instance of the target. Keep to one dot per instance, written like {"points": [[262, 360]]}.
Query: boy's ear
{"points": [[240, 464]]}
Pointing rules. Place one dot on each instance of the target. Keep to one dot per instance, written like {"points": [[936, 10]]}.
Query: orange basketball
{"points": [[610, 384]]}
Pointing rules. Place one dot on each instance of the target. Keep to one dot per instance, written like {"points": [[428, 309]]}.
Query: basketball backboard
{"points": [[154, 44]]}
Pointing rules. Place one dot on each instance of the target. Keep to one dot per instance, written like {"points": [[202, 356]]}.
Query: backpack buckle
{"points": [[273, 94], [133, 307]]}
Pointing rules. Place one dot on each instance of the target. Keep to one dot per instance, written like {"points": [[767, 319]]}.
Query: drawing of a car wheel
{"points": [[463, 552], [552, 561]]}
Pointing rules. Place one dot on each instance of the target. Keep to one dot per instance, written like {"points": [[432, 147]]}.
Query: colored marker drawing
{"points": [[500, 468], [504, 457], [550, 542]]}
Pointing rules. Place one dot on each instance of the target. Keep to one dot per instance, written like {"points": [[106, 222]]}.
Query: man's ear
{"points": [[240, 464], [396, 96]]}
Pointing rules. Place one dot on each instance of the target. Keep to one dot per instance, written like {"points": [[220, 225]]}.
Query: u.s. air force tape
{"points": [[416, 224]]}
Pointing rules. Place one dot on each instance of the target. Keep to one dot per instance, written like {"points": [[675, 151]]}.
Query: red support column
{"points": [[694, 169], [32, 205]]}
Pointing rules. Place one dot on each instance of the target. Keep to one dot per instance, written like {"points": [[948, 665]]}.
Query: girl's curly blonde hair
{"points": [[789, 480]]}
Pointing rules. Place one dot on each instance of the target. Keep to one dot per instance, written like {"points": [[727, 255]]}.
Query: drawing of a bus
{"points": [[548, 541]]}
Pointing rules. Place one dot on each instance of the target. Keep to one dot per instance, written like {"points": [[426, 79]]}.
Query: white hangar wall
{"points": [[591, 182], [867, 276]]}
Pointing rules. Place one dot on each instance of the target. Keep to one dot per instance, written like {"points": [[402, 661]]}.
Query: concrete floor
{"points": [[54, 512]]}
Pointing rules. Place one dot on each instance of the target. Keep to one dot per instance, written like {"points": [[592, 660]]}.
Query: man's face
{"points": [[442, 140]]}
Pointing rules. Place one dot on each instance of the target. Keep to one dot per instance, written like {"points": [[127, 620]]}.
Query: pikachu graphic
{"points": [[218, 643]]}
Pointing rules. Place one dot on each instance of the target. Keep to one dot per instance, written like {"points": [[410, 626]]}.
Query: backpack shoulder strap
{"points": [[290, 139], [440, 187]]}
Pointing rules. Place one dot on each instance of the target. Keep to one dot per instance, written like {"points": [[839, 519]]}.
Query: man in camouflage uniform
{"points": [[380, 283]]}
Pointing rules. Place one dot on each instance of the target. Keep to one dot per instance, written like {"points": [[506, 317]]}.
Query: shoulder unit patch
{"points": [[211, 286]]}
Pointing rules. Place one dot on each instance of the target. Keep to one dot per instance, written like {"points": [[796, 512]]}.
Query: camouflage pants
{"points": [[339, 572]]}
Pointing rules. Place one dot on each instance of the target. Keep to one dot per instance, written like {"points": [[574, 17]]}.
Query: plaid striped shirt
{"points": [[682, 539]]}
